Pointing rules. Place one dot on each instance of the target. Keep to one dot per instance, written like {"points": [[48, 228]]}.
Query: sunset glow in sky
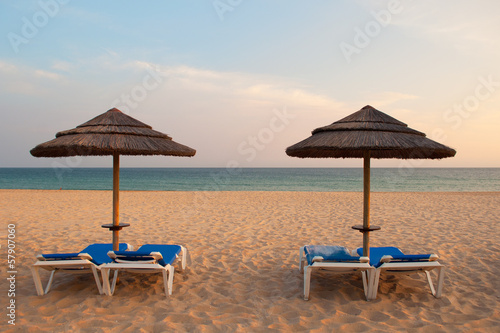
{"points": [[241, 80]]}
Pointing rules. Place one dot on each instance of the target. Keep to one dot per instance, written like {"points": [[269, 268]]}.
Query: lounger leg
{"points": [[307, 281], [49, 284], [168, 279], [97, 279], [440, 282], [105, 281], [374, 284], [171, 280], [440, 272], [184, 258], [431, 285], [372, 288], [366, 275], [113, 285], [301, 258], [36, 279]]}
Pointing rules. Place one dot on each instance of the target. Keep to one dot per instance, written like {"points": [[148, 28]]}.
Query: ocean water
{"points": [[255, 179]]}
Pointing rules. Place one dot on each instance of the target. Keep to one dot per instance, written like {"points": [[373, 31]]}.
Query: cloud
{"points": [[24, 80], [219, 112], [48, 75], [459, 24], [7, 68], [63, 66], [457, 21], [245, 86], [118, 75]]}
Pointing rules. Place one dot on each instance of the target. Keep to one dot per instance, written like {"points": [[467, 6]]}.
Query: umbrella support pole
{"points": [[366, 203], [116, 226], [116, 199], [365, 229]]}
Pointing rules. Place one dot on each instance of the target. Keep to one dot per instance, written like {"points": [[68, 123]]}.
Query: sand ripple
{"points": [[244, 249]]}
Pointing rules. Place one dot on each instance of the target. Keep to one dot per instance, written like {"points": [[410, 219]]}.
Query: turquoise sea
{"points": [[255, 179]]}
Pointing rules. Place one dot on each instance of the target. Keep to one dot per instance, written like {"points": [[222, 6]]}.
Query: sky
{"points": [[241, 80]]}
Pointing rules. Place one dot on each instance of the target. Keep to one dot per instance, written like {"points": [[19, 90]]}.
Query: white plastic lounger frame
{"points": [[340, 267], [143, 266], [82, 262], [84, 265], [410, 267]]}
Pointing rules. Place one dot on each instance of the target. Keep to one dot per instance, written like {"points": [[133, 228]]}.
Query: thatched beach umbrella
{"points": [[369, 133], [112, 133]]}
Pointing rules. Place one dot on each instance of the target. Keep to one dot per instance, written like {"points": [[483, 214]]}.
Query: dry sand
{"points": [[244, 273]]}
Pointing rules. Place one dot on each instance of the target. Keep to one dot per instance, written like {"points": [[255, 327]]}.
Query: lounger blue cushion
{"points": [[376, 254], [168, 252], [329, 253], [98, 252]]}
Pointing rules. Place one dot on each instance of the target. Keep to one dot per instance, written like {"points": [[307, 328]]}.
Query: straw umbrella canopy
{"points": [[112, 133], [368, 133]]}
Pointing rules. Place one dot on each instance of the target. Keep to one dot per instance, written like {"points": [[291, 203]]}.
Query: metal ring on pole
{"points": [[361, 229], [113, 227]]}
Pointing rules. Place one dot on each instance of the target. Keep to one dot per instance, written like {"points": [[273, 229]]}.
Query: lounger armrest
{"points": [[124, 261], [156, 255], [364, 259], [85, 256], [386, 258], [341, 259], [60, 256], [317, 258], [122, 256], [414, 257]]}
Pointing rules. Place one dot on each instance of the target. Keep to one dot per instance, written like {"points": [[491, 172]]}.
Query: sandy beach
{"points": [[244, 273]]}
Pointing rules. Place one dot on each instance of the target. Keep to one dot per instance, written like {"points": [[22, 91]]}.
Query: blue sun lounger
{"points": [[149, 258], [336, 259], [88, 260], [393, 261]]}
